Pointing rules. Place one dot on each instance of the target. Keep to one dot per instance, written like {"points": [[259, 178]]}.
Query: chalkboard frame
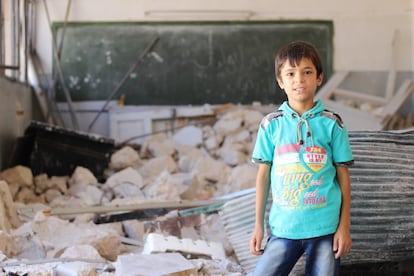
{"points": [[178, 82]]}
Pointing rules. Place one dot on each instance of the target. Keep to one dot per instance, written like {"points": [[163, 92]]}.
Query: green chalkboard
{"points": [[191, 63]]}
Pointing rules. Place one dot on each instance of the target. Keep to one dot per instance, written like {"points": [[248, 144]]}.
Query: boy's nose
{"points": [[298, 78]]}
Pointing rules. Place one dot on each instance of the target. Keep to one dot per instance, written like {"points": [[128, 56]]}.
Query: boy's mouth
{"points": [[300, 89]]}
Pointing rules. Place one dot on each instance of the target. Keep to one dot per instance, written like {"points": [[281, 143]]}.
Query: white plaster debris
{"points": [[157, 243], [190, 164], [158, 264]]}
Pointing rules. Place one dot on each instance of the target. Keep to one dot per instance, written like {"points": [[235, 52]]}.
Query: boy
{"points": [[303, 154]]}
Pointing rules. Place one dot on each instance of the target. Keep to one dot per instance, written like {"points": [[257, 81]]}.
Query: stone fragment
{"points": [[126, 183], [62, 234], [77, 268], [155, 146], [213, 170], [162, 188], [90, 195], [29, 246], [41, 183], [8, 213], [173, 186], [232, 156], [124, 158], [81, 251], [252, 119], [153, 167], [27, 195], [189, 135], [82, 176], [51, 194], [19, 175], [109, 245], [8, 245], [134, 229], [241, 177], [227, 126], [59, 182]]}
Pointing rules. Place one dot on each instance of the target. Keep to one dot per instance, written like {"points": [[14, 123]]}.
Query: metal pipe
{"points": [[60, 74]]}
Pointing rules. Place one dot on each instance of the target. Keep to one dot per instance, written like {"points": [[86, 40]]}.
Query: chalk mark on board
{"points": [[210, 52]]}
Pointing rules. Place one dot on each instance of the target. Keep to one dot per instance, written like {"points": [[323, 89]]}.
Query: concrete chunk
{"points": [[189, 135], [156, 243], [124, 158], [154, 265], [20, 175], [8, 212], [126, 183], [82, 176]]}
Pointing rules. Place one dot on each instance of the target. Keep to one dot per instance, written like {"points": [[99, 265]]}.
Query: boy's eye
{"points": [[308, 72]]}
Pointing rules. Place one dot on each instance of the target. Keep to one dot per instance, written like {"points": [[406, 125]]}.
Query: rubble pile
{"points": [[194, 163], [159, 211]]}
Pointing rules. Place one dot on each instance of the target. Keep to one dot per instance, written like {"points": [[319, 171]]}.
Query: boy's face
{"points": [[299, 82]]}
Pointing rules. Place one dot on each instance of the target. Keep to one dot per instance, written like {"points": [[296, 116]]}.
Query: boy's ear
{"points": [[320, 79], [280, 83]]}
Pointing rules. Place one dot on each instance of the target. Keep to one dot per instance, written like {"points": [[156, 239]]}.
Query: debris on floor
{"points": [[169, 199]]}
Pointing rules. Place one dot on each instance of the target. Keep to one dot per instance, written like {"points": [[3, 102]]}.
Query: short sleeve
{"points": [[341, 148], [264, 146]]}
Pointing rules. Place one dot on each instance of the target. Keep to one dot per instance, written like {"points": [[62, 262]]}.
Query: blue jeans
{"points": [[280, 256]]}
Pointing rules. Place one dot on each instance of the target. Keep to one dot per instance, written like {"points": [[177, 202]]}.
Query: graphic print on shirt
{"points": [[296, 167]]}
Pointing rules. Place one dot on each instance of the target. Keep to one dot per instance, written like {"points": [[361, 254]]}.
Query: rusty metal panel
{"points": [[382, 206]]}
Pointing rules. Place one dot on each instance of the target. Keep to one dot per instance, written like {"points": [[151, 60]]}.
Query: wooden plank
{"points": [[404, 92], [353, 118], [326, 90], [389, 91], [130, 207], [359, 96]]}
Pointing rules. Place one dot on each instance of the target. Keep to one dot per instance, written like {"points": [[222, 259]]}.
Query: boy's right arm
{"points": [[262, 193]]}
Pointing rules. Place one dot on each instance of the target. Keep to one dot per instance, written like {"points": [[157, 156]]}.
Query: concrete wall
{"points": [[16, 105], [364, 30]]}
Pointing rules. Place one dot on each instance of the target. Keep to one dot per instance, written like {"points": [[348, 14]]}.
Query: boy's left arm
{"points": [[342, 238]]}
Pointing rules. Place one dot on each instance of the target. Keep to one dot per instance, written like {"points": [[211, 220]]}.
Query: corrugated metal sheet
{"points": [[382, 209]]}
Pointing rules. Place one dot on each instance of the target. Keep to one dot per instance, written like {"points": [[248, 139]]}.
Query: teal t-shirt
{"points": [[303, 152]]}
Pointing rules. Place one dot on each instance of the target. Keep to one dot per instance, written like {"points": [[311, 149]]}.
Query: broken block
{"points": [[156, 264], [156, 243]]}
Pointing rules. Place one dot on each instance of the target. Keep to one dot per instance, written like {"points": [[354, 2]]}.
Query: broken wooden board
{"points": [[394, 104], [131, 207]]}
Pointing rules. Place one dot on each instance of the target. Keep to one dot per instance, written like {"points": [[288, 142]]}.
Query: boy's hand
{"points": [[342, 242], [256, 242]]}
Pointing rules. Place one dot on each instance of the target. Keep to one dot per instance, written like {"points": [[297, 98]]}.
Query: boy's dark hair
{"points": [[294, 52]]}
